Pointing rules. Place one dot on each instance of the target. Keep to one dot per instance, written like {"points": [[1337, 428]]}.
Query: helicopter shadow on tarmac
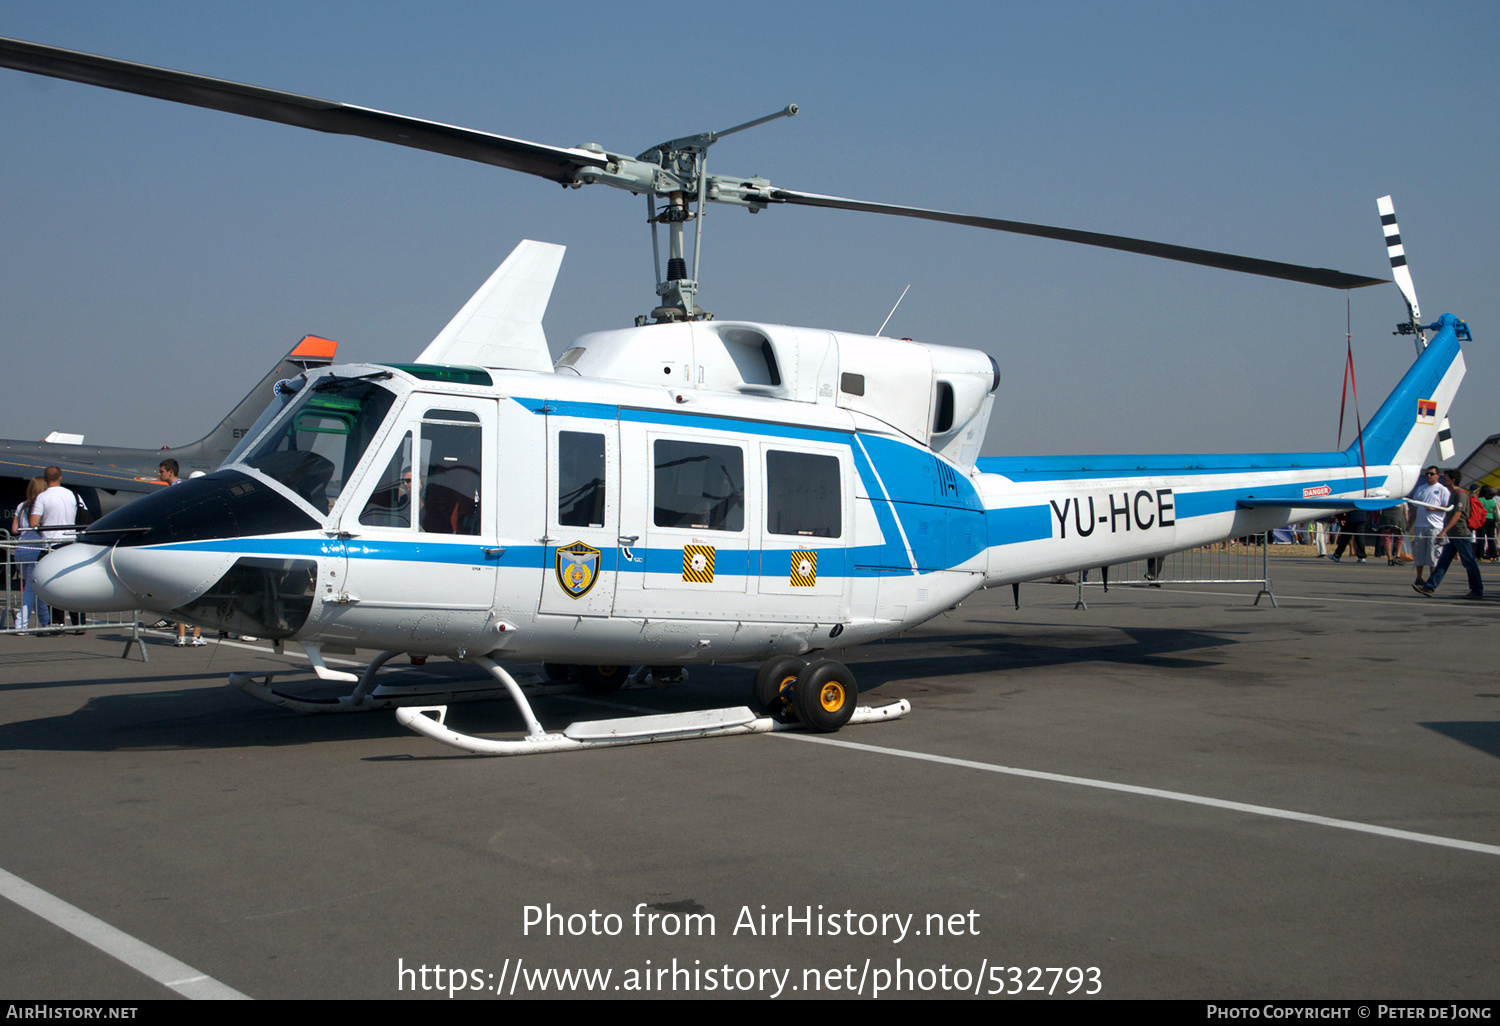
{"points": [[1478, 734], [196, 711]]}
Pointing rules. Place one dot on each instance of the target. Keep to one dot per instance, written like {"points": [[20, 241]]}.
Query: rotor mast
{"points": [[677, 170]]}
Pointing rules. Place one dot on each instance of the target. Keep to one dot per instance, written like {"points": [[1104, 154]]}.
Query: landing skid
{"points": [[628, 730], [368, 698]]}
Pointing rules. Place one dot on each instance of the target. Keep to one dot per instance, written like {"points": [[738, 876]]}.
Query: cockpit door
{"points": [[419, 530], [583, 545]]}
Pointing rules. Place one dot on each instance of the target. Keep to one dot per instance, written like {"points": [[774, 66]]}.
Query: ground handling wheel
{"points": [[601, 680], [773, 684], [824, 696]]}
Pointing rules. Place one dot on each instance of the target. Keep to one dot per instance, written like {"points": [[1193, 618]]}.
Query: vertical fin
{"points": [[501, 324]]}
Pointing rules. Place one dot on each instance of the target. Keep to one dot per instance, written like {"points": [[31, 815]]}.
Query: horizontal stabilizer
{"points": [[501, 324]]}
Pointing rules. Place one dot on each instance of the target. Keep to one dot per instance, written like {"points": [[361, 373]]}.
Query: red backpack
{"points": [[1477, 512]]}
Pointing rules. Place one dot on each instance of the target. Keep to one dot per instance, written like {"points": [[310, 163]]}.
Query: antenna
{"points": [[893, 309]]}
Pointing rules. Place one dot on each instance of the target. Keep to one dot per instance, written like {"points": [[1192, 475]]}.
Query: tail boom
{"points": [[1051, 515]]}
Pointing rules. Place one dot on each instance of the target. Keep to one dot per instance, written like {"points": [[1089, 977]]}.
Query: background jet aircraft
{"points": [[107, 477]]}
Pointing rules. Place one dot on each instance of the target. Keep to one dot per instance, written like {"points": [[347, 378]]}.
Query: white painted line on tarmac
{"points": [[1153, 792], [137, 954]]}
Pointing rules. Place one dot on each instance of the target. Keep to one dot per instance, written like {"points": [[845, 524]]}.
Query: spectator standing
{"points": [[1484, 545], [26, 557], [1351, 531], [1392, 525], [168, 473], [56, 508]]}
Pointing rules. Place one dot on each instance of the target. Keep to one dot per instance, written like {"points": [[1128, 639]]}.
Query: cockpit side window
{"points": [[314, 450], [449, 487], [580, 479], [390, 503]]}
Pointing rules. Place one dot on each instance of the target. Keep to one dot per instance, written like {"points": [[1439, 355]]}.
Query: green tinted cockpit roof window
{"points": [[438, 372]]}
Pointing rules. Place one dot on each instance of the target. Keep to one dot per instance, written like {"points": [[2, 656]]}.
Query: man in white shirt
{"points": [[55, 507], [1425, 522]]}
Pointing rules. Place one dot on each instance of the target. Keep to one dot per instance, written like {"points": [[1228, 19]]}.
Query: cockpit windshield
{"points": [[319, 445], [281, 397]]}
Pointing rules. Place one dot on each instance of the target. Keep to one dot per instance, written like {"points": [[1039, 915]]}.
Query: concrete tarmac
{"points": [[1315, 814]]}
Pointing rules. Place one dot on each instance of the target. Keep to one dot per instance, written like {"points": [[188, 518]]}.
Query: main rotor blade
{"points": [[1208, 258], [552, 162]]}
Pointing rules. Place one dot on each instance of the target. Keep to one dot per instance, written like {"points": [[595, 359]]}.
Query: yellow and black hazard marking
{"points": [[804, 569], [698, 563]]}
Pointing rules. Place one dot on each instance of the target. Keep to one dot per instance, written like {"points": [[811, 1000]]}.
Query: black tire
{"points": [[824, 696], [557, 673], [773, 686], [601, 680]]}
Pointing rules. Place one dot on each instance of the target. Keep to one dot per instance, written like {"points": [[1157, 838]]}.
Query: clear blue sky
{"points": [[156, 259]]}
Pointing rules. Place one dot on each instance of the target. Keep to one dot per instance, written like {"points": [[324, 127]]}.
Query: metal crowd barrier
{"points": [[1238, 561], [125, 619]]}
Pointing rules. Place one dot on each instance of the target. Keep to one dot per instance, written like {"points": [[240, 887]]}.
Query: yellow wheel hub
{"points": [[832, 696]]}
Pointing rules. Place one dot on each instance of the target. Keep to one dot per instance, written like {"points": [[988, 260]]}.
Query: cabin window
{"points": [[803, 494], [323, 440], [699, 486], [390, 503], [580, 479], [853, 384], [450, 478]]}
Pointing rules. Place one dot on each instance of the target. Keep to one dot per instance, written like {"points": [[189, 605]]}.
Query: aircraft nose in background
{"points": [[79, 578]]}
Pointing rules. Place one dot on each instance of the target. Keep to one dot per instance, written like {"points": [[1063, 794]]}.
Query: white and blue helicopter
{"points": [[679, 492]]}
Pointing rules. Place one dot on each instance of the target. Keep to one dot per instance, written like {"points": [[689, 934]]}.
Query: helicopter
{"points": [[679, 492]]}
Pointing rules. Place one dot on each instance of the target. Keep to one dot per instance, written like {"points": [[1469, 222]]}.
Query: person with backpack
{"points": [[1460, 536], [1484, 543]]}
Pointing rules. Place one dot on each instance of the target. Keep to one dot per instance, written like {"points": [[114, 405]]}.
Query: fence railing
{"points": [[1237, 561]]}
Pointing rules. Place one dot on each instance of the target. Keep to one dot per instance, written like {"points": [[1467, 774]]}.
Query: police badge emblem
{"points": [[577, 568]]}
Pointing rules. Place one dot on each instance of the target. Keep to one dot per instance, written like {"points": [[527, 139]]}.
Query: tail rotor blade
{"points": [[1397, 251]]}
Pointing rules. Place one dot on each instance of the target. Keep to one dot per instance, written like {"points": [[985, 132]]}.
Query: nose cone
{"points": [[78, 577]]}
